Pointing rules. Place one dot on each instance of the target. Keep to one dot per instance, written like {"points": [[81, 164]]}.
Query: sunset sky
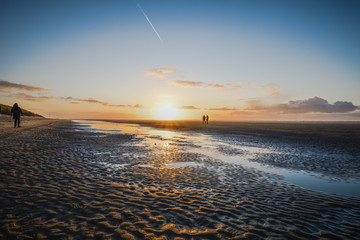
{"points": [[233, 60]]}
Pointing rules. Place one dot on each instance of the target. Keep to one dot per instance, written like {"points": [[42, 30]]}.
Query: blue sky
{"points": [[244, 57]]}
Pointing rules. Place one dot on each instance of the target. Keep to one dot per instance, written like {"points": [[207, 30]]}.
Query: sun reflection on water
{"points": [[168, 146]]}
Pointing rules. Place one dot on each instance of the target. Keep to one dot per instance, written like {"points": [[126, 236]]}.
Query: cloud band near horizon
{"points": [[6, 85], [92, 100], [34, 98], [310, 105]]}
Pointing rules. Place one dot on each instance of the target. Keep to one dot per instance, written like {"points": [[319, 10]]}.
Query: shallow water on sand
{"points": [[218, 148]]}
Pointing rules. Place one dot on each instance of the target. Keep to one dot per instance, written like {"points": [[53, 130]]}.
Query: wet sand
{"points": [[290, 130], [56, 184], [303, 143]]}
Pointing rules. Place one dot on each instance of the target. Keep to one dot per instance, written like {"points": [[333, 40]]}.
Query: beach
{"points": [[7, 124], [63, 179]]}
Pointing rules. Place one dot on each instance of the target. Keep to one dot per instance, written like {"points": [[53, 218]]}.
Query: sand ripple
{"points": [[53, 186]]}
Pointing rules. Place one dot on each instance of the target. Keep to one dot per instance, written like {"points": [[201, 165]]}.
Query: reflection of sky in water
{"points": [[159, 139]]}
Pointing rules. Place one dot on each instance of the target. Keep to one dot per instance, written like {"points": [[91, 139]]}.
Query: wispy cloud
{"points": [[164, 71], [160, 72], [127, 105], [355, 113], [269, 89], [310, 105], [191, 84], [92, 100], [30, 97], [236, 86], [190, 107], [65, 98], [6, 85], [88, 100], [223, 109]]}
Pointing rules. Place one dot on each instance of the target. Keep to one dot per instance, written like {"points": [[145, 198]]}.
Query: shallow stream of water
{"points": [[214, 147]]}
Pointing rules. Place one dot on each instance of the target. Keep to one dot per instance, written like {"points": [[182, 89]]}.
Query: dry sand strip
{"points": [[52, 188], [7, 125]]}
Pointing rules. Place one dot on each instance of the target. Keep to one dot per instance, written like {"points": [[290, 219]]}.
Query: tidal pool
{"points": [[215, 147]]}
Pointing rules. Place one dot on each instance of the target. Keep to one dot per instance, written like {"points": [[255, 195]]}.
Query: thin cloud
{"points": [[71, 100], [191, 84], [272, 90], [190, 107], [30, 97], [65, 98], [268, 89], [355, 113], [129, 106], [6, 85], [88, 100], [92, 100], [236, 86], [223, 109], [310, 105], [160, 72]]}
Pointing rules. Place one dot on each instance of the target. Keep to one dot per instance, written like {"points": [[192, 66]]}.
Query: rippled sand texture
{"points": [[56, 183], [7, 124]]}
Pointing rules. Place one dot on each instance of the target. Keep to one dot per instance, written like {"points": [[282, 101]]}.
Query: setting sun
{"points": [[168, 112]]}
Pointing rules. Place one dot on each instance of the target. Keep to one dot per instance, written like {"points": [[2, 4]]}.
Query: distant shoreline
{"points": [[213, 121], [347, 128], [338, 132]]}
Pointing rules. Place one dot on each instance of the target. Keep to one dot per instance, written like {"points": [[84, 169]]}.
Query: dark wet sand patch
{"points": [[325, 148]]}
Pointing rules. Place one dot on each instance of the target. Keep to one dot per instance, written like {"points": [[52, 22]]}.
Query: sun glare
{"points": [[168, 112]]}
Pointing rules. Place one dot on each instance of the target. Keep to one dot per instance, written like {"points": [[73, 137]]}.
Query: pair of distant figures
{"points": [[16, 112], [205, 119]]}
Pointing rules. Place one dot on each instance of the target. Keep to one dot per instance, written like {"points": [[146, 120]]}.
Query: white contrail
{"points": [[149, 21]]}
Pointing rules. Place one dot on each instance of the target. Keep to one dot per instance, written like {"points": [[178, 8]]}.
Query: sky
{"points": [[232, 60]]}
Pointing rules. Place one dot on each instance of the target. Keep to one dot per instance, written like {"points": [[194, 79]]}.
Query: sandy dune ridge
{"points": [[54, 185]]}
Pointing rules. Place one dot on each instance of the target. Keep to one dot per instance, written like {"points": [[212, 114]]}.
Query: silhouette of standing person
{"points": [[15, 112], [207, 119], [203, 119]]}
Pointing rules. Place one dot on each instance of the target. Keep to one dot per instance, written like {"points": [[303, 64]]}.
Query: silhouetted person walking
{"points": [[203, 122], [207, 119], [15, 112]]}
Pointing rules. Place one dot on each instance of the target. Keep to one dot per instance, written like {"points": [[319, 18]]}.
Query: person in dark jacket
{"points": [[15, 112]]}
